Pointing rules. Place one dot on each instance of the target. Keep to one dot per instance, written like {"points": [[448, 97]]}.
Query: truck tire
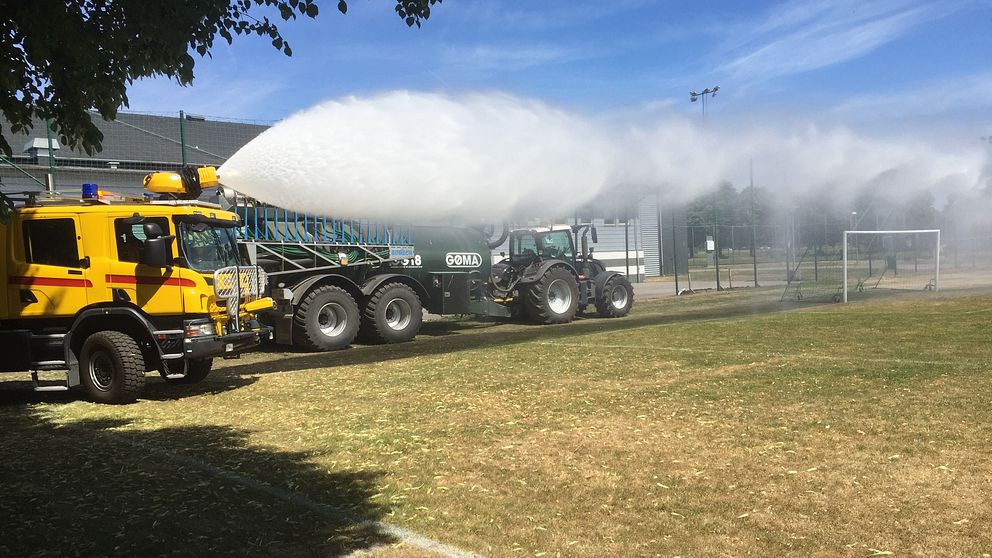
{"points": [[393, 314], [197, 370], [617, 298], [554, 298], [111, 367], [326, 320]]}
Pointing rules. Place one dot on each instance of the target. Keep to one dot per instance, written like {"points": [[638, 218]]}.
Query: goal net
{"points": [[880, 261]]}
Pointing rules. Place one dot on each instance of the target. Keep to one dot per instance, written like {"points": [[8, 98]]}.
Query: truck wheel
{"points": [[197, 370], [554, 298], [618, 297], [111, 367], [393, 314], [326, 320]]}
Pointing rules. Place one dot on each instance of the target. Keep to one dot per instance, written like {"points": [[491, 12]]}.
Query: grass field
{"points": [[707, 425]]}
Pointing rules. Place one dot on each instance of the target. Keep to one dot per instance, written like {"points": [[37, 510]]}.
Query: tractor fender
{"points": [[375, 282], [303, 287], [535, 273], [600, 281], [126, 319]]}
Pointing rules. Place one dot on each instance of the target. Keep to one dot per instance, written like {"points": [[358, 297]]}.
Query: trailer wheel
{"points": [[554, 298], [326, 320], [393, 314], [617, 298], [111, 367], [197, 370]]}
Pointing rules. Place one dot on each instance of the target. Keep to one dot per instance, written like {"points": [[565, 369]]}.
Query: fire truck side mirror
{"points": [[152, 231], [595, 237], [155, 253]]}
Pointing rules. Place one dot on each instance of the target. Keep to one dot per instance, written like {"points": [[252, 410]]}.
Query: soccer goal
{"points": [[876, 261]]}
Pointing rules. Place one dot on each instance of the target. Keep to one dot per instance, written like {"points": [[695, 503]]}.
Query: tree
{"points": [[60, 60]]}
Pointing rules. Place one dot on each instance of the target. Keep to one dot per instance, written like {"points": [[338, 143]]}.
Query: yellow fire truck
{"points": [[108, 288]]}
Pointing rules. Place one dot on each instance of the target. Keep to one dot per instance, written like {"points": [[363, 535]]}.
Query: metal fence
{"points": [[133, 144]]}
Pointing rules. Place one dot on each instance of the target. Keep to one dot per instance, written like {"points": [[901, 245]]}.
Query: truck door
{"points": [[156, 291], [48, 275]]}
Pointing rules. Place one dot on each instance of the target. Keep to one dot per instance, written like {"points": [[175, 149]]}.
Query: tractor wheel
{"points": [[392, 314], [326, 320], [111, 367], [554, 298], [618, 297], [197, 370]]}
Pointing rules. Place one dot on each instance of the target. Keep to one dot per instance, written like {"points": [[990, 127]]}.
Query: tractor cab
{"points": [[528, 246], [551, 283]]}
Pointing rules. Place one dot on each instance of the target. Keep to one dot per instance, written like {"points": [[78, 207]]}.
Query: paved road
{"points": [[660, 289]]}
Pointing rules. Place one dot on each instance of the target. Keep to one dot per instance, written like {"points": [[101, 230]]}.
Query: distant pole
{"points": [[936, 275], [661, 246], [754, 240], [845, 266], [675, 254], [716, 244], [182, 134]]}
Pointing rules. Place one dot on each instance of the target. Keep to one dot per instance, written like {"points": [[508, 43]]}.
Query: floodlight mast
{"points": [[711, 91]]}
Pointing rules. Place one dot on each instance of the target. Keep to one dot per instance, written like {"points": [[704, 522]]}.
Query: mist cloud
{"points": [[490, 156]]}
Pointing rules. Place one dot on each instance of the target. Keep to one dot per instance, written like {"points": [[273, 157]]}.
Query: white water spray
{"points": [[417, 156]]}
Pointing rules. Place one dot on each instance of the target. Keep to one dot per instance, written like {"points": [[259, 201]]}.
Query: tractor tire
{"points": [[554, 298], [111, 367], [197, 370], [617, 298], [392, 314], [326, 320]]}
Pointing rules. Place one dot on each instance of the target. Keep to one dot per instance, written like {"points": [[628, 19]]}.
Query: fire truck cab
{"points": [[108, 288]]}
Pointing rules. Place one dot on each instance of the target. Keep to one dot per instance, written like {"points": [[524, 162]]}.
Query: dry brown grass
{"points": [[699, 426]]}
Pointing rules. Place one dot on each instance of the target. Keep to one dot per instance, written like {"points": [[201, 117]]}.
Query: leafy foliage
{"points": [[59, 60]]}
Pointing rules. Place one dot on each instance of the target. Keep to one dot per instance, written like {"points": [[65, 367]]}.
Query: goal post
{"points": [[873, 276]]}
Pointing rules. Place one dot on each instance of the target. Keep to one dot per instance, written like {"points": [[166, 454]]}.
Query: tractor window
{"points": [[524, 248], [50, 242], [557, 244], [131, 237]]}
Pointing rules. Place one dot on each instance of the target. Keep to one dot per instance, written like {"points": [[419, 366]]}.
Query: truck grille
{"points": [[251, 282]]}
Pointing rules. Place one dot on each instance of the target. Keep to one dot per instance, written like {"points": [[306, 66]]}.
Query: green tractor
{"points": [[551, 282]]}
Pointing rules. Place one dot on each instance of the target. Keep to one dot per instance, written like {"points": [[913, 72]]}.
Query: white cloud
{"points": [[484, 57], [801, 36], [931, 98]]}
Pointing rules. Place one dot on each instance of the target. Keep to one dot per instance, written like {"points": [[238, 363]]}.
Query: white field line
{"points": [[405, 536], [769, 355]]}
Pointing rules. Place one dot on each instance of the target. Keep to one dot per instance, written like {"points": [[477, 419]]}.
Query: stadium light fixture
{"points": [[711, 91]]}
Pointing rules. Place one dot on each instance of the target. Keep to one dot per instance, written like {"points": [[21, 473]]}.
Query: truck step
{"points": [[51, 388], [36, 384], [48, 365]]}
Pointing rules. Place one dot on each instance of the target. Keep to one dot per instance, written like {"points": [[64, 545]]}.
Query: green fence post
{"points": [[182, 134]]}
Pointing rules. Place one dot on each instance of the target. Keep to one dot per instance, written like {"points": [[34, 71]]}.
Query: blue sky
{"points": [[889, 63]]}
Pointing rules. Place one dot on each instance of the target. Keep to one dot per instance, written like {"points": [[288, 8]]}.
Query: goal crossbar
{"points": [[936, 279]]}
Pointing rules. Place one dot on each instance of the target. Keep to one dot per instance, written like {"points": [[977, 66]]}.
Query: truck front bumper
{"points": [[231, 344]]}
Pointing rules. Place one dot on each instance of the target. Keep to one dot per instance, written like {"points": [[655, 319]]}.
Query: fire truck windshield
{"points": [[207, 248]]}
